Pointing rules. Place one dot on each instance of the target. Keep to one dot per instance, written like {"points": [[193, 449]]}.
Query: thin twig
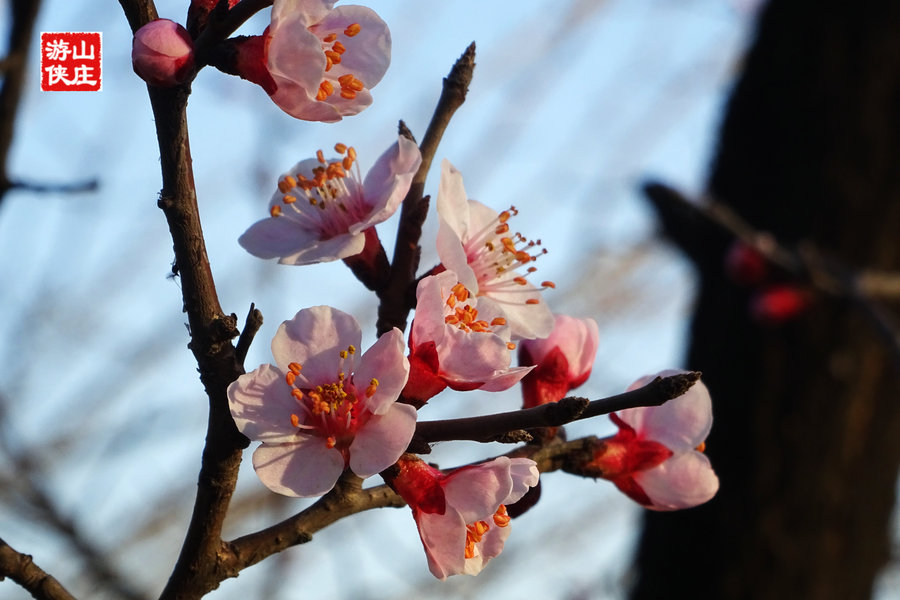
{"points": [[251, 326], [487, 428], [21, 569], [393, 309]]}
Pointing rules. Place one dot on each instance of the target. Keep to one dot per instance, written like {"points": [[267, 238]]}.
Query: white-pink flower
{"points": [[657, 458], [461, 515], [476, 242], [317, 62], [322, 408], [458, 340], [563, 360], [322, 208]]}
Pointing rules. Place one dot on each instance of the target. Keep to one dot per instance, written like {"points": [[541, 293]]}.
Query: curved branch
{"points": [[393, 309], [21, 569]]}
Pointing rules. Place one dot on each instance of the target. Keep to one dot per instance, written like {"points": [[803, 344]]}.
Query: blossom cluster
{"points": [[327, 406]]}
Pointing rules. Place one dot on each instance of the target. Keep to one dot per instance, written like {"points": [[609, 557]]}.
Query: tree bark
{"points": [[806, 438]]}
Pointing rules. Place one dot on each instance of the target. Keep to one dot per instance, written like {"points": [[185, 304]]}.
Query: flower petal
{"points": [[368, 53], [477, 491], [525, 475], [381, 441], [275, 237], [680, 424], [388, 181], [305, 469], [314, 338], [453, 229], [385, 362], [444, 539], [683, 481], [261, 405]]}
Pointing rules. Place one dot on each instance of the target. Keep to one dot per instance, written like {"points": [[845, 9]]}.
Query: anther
{"points": [[329, 38], [295, 420], [532, 301], [339, 48], [320, 156], [498, 321], [370, 390], [340, 148], [275, 211], [288, 199], [289, 377], [330, 442], [295, 368], [510, 346], [548, 284], [701, 447], [352, 30]]}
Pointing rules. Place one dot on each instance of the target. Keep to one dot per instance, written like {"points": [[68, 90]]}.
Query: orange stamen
{"points": [[340, 148], [532, 301], [288, 199], [275, 211], [352, 30]]}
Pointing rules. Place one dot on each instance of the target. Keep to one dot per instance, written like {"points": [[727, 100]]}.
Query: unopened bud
{"points": [[162, 53]]}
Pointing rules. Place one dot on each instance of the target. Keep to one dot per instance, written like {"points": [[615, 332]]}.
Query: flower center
{"points": [[329, 410], [476, 531], [465, 316], [329, 199], [334, 50], [494, 254]]}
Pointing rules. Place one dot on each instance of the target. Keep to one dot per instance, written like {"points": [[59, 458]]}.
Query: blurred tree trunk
{"points": [[806, 439]]}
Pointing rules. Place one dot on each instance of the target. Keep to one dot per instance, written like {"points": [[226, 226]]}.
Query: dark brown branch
{"points": [[251, 326], [21, 569], [211, 333], [220, 27], [487, 428], [24, 14], [393, 309]]}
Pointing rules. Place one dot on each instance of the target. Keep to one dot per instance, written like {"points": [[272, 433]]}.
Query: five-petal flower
{"points": [[475, 241], [321, 408], [461, 515], [657, 458], [317, 62], [322, 208], [458, 340]]}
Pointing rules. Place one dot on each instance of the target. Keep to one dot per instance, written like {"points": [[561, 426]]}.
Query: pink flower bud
{"points": [[162, 53]]}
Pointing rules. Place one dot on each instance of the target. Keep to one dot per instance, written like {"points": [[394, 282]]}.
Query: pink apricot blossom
{"points": [[162, 53], [322, 208], [563, 360], [461, 515], [476, 242], [656, 458], [321, 408], [457, 340], [317, 62]]}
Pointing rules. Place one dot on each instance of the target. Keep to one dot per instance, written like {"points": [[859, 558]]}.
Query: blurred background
{"points": [[102, 415]]}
